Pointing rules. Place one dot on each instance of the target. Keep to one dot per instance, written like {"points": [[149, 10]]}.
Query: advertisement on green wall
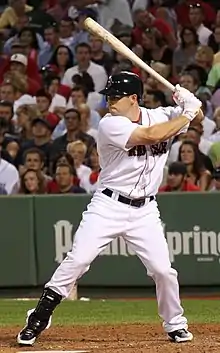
{"points": [[191, 227]]}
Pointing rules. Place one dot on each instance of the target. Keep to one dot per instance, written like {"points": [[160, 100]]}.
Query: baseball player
{"points": [[133, 146]]}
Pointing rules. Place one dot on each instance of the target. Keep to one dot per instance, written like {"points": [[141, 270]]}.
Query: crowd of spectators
{"points": [[52, 70]]}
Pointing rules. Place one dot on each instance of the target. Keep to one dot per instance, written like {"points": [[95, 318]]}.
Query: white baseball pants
{"points": [[104, 220]]}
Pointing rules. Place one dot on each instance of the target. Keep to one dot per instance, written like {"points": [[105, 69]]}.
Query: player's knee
{"points": [[79, 260], [163, 271]]}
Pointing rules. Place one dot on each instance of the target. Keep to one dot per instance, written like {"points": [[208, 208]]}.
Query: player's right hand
{"points": [[187, 101], [180, 95]]}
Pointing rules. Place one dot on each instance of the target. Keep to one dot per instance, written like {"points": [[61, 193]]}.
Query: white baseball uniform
{"points": [[130, 173]]}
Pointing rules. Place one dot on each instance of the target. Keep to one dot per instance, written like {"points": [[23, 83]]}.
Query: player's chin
{"points": [[113, 111]]}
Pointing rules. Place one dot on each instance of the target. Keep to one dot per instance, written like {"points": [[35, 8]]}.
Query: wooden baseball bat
{"points": [[94, 28]]}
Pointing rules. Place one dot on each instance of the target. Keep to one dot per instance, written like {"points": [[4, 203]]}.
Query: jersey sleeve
{"points": [[174, 112], [116, 130]]}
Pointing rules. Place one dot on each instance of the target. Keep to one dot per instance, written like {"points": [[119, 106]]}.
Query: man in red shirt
{"points": [[143, 20], [177, 179]]}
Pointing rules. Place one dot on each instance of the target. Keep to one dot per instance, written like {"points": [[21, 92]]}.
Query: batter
{"points": [[133, 145]]}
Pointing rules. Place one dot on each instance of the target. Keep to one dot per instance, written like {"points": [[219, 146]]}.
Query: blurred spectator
{"points": [[95, 166], [214, 40], [25, 115], [194, 134], [73, 133], [67, 32], [155, 48], [84, 64], [79, 95], [184, 54], [41, 132], [15, 10], [215, 137], [196, 17], [6, 112], [32, 183], [63, 59], [98, 55], [32, 43], [189, 81], [153, 99], [183, 8], [92, 98], [60, 9], [144, 20], [52, 39], [18, 66], [12, 148], [85, 114], [58, 104], [64, 179], [214, 154], [197, 174], [204, 57], [25, 37], [44, 100], [208, 124], [78, 151], [34, 159], [216, 180], [177, 179]]}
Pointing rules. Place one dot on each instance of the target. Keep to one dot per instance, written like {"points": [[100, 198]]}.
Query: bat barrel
{"points": [[95, 28]]}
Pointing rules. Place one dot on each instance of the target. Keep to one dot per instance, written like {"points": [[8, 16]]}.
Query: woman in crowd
{"points": [[196, 172], [62, 59], [32, 183], [184, 54]]}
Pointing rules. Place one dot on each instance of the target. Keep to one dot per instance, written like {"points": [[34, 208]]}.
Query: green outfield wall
{"points": [[37, 232]]}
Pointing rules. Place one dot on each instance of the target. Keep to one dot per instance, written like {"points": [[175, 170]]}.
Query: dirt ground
{"points": [[137, 338]]}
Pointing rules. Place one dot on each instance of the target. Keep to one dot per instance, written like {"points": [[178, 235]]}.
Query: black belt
{"points": [[132, 202]]}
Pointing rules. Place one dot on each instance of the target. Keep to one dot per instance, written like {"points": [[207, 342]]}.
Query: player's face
{"points": [[187, 154], [175, 181], [121, 105]]}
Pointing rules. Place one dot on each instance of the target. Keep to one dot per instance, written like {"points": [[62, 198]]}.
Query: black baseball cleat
{"points": [[180, 336], [27, 336]]}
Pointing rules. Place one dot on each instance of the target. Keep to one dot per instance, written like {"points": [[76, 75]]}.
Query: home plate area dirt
{"points": [[116, 339]]}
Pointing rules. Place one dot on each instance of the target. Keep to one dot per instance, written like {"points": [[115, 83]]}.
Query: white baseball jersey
{"points": [[9, 177], [138, 171]]}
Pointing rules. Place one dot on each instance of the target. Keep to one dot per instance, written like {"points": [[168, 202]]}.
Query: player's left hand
{"points": [[181, 94]]}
